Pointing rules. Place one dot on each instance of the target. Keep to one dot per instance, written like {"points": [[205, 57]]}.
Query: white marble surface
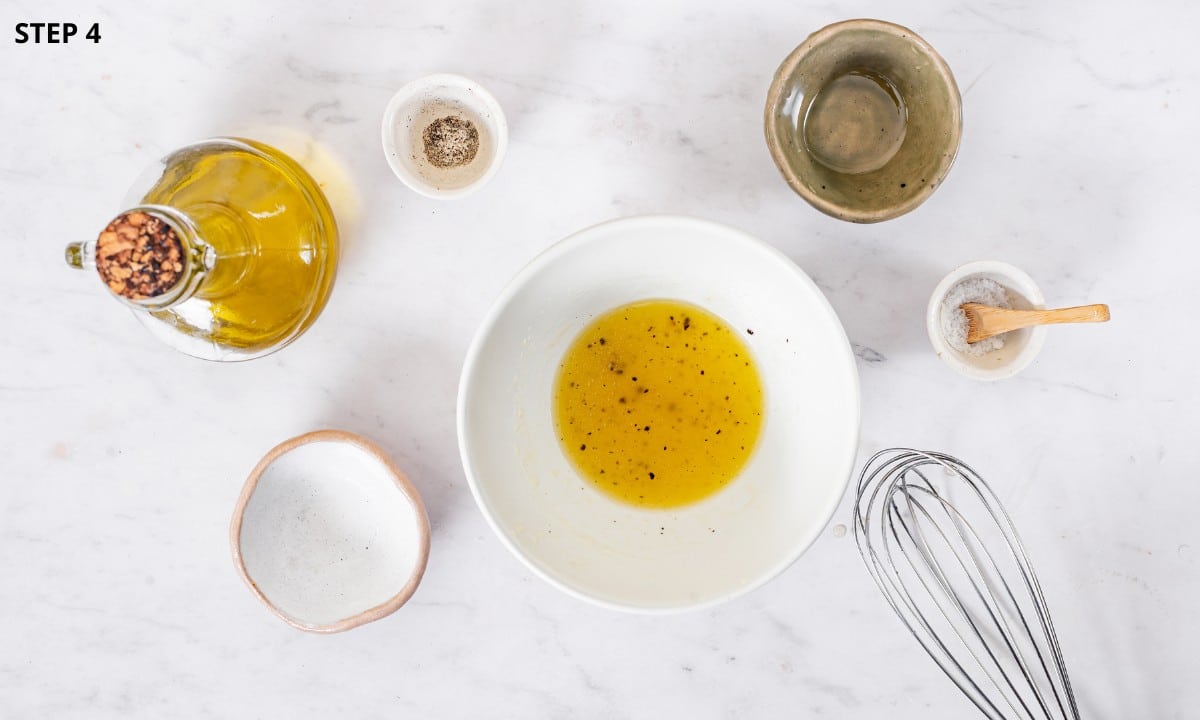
{"points": [[120, 460]]}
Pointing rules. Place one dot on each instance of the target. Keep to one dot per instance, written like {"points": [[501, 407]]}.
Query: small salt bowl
{"points": [[1020, 346], [444, 135], [329, 533]]}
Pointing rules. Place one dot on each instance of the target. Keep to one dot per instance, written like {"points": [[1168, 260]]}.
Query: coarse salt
{"points": [[975, 289]]}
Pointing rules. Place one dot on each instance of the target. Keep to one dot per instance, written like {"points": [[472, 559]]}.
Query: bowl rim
{"points": [[499, 125], [571, 243], [405, 486], [1019, 281], [796, 183]]}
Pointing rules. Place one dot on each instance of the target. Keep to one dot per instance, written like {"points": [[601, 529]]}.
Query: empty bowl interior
{"points": [[328, 534], [633, 558], [864, 119]]}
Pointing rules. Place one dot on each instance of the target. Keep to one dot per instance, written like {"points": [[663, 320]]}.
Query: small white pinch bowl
{"points": [[424, 100], [659, 560], [1020, 346], [329, 533]]}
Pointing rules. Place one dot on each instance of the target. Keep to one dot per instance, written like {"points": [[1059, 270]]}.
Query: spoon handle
{"points": [[985, 322], [1081, 314]]}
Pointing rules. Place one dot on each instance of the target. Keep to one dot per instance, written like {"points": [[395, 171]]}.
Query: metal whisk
{"points": [[947, 557]]}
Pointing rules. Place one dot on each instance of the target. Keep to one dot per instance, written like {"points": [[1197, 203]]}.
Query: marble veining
{"points": [[120, 460]]}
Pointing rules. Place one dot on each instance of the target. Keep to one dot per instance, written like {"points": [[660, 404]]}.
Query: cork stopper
{"points": [[139, 256]]}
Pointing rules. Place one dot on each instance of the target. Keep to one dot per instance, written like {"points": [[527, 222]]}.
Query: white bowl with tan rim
{"points": [[1020, 346], [329, 533]]}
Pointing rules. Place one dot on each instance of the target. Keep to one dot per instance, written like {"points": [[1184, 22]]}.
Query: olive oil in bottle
{"points": [[255, 243]]}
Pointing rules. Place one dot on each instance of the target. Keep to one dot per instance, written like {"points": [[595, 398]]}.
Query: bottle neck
{"points": [[151, 257]]}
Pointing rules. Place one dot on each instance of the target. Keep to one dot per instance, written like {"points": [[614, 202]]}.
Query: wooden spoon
{"points": [[985, 321]]}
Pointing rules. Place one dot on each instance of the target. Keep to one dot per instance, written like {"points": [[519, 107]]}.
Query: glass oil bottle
{"points": [[229, 255]]}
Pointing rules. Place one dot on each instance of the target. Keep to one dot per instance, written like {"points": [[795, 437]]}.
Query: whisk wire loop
{"points": [[985, 591], [948, 560]]}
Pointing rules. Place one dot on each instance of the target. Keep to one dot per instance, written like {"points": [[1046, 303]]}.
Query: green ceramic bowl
{"points": [[863, 120]]}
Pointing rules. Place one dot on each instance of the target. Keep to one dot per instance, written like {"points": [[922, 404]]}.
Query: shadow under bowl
{"points": [[864, 119]]}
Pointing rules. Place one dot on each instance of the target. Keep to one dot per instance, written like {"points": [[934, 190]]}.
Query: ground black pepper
{"points": [[450, 142]]}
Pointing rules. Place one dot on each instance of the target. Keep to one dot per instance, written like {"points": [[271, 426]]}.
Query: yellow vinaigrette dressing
{"points": [[658, 403]]}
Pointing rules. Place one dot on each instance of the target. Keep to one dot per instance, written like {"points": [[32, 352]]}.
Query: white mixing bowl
{"points": [[650, 560]]}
